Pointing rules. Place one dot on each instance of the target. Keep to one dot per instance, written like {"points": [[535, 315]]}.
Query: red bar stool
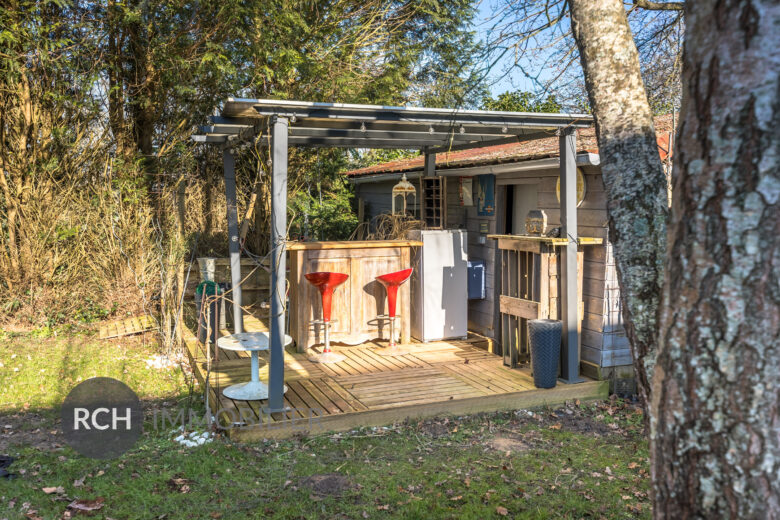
{"points": [[326, 283], [392, 281]]}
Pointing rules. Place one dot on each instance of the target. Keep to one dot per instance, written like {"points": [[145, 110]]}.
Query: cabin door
{"points": [[525, 197]]}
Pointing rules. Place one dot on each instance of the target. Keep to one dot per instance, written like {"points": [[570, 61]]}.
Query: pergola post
{"points": [[229, 166], [570, 357], [278, 261]]}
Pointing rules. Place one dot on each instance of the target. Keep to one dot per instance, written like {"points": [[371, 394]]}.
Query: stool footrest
{"points": [[386, 317]]}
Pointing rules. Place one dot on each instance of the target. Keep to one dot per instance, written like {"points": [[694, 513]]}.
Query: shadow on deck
{"points": [[366, 389]]}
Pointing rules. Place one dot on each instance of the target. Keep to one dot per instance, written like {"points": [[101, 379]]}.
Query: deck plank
{"points": [[407, 373], [396, 388], [296, 402], [364, 365], [304, 399], [443, 393], [476, 381], [385, 362], [345, 394], [464, 394], [320, 397], [335, 398]]}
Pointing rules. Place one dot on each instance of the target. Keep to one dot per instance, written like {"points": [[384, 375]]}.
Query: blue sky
{"points": [[501, 80]]}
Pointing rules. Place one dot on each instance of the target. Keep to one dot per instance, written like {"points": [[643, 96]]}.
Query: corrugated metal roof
{"points": [[376, 126], [514, 152]]}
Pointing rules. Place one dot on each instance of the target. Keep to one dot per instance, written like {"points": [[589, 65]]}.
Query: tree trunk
{"points": [[715, 422], [633, 175], [116, 86]]}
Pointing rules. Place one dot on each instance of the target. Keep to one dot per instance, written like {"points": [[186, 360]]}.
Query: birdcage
{"points": [[403, 189]]}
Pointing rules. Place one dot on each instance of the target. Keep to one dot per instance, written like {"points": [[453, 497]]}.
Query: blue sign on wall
{"points": [[486, 195]]}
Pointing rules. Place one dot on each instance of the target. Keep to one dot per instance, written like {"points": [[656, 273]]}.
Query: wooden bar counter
{"points": [[356, 303]]}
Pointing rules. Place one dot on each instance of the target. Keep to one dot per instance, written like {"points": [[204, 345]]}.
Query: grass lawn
{"points": [[574, 462]]}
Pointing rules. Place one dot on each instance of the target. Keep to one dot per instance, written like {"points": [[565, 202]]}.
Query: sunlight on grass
{"points": [[39, 373]]}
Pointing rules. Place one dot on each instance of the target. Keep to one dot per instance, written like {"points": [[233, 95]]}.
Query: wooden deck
{"points": [[447, 377]]}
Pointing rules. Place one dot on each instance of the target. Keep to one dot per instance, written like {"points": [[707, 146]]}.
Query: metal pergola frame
{"points": [[282, 124]]}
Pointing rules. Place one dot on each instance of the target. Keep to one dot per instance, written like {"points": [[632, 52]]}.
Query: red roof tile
{"points": [[514, 152]]}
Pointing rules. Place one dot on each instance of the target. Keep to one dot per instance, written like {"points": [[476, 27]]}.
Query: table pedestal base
{"points": [[249, 391]]}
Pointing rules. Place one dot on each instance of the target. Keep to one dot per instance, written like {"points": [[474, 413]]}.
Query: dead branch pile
{"points": [[387, 227]]}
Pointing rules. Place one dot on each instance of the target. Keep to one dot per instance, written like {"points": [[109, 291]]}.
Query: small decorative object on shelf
{"points": [[536, 222]]}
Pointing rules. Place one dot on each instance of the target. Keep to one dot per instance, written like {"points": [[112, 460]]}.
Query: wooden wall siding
{"points": [[456, 214], [592, 213], [608, 347], [376, 196], [603, 338]]}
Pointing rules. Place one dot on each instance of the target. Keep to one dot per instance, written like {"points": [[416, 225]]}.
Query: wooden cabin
{"points": [[489, 192]]}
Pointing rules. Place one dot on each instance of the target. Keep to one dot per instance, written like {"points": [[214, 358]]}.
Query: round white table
{"points": [[252, 342]]}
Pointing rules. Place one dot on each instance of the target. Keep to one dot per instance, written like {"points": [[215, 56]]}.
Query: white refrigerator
{"points": [[439, 297]]}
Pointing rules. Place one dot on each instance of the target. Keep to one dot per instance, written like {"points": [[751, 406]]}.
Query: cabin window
{"points": [[434, 207]]}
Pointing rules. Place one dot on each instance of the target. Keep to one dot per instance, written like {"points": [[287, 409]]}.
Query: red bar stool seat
{"points": [[326, 283], [392, 281]]}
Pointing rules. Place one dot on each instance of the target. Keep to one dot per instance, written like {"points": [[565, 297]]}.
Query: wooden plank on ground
{"points": [[364, 365], [385, 362], [453, 356], [127, 326], [295, 401], [334, 370], [443, 391], [371, 390], [508, 375]]}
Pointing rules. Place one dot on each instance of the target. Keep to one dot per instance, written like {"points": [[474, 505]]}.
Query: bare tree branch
{"points": [[660, 6]]}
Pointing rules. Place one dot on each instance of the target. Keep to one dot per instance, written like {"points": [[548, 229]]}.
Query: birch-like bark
{"points": [[633, 175], [715, 426]]}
